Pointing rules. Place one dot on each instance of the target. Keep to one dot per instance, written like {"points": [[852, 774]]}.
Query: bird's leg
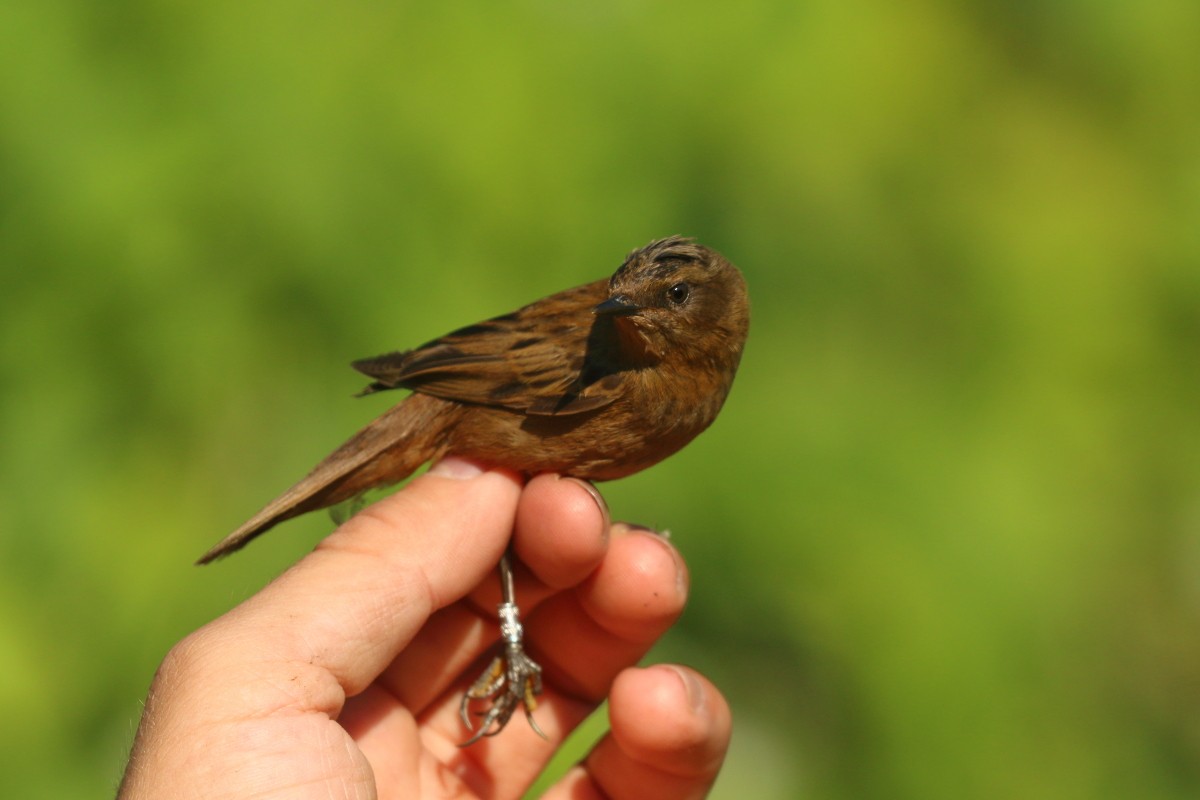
{"points": [[512, 677]]}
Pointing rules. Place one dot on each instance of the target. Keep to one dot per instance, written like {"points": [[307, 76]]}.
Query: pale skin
{"points": [[342, 678]]}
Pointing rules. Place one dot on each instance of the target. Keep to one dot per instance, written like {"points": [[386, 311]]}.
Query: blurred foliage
{"points": [[945, 539]]}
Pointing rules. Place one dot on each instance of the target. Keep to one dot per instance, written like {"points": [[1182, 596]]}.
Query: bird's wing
{"points": [[532, 360]]}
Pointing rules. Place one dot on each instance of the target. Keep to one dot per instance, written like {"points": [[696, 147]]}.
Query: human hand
{"points": [[342, 678]]}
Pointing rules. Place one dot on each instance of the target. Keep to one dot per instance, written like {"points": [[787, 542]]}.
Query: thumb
{"points": [[349, 607]]}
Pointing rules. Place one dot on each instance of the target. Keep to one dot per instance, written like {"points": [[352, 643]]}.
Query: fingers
{"points": [[388, 580], [586, 638], [327, 627], [670, 732], [583, 639], [561, 536]]}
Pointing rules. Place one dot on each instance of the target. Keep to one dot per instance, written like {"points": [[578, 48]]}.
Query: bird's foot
{"points": [[511, 679]]}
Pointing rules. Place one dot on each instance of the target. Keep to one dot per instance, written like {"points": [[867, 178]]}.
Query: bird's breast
{"points": [[653, 415]]}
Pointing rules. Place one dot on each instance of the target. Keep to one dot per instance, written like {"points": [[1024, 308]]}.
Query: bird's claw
{"points": [[511, 679]]}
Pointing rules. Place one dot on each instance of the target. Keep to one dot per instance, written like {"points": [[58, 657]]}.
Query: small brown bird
{"points": [[598, 382]]}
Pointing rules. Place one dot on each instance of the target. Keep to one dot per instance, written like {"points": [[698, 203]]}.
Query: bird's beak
{"points": [[618, 305]]}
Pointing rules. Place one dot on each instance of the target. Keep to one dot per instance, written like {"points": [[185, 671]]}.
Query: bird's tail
{"points": [[386, 451]]}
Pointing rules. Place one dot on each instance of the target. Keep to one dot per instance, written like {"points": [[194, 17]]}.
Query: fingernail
{"points": [[458, 468], [692, 687], [599, 498], [665, 533]]}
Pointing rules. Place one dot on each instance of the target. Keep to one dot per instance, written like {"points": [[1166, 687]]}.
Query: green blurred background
{"points": [[945, 538]]}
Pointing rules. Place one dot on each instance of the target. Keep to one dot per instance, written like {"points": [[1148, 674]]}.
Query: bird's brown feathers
{"points": [[598, 381], [531, 361]]}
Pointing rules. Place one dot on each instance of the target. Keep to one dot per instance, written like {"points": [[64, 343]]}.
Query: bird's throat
{"points": [[636, 345]]}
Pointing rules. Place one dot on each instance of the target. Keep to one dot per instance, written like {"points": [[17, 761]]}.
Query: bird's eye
{"points": [[678, 293]]}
